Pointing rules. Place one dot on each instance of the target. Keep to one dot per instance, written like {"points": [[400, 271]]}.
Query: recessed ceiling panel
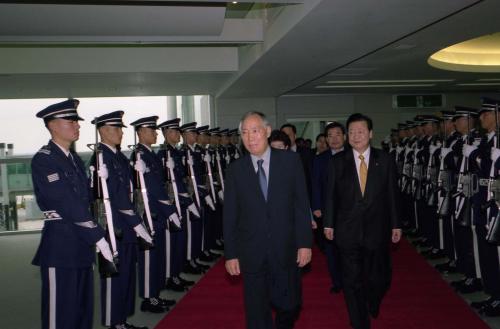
{"points": [[99, 20]]}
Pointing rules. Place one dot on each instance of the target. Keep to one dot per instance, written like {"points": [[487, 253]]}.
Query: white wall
{"points": [[229, 111], [377, 106]]}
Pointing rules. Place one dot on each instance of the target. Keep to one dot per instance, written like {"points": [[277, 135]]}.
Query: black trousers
{"points": [[366, 278], [270, 287], [489, 263]]}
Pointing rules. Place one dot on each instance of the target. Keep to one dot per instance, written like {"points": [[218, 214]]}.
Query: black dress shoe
{"points": [[206, 257], [190, 269], [448, 267], [167, 302], [184, 282], [153, 305], [202, 266], [479, 305], [335, 289], [174, 284], [426, 252], [492, 309], [470, 286], [436, 254]]}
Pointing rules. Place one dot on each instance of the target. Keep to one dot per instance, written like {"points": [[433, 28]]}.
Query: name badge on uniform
{"points": [[53, 177]]}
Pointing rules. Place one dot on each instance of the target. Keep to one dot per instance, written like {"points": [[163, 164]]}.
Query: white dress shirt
{"points": [[265, 165]]}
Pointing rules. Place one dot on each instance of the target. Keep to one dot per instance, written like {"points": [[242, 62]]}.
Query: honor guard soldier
{"points": [[202, 145], [406, 180], [465, 190], [150, 177], [445, 188], [224, 149], [199, 193], [428, 203], [485, 207], [218, 181], [173, 163], [118, 290], [234, 151], [67, 247]]}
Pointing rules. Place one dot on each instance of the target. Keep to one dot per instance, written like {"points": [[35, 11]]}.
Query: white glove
{"points": [[445, 151], [476, 142], [207, 158], [399, 149], [192, 209], [104, 249], [140, 166], [209, 202], [103, 172], [495, 154], [174, 218], [433, 148], [170, 163], [190, 161], [468, 149], [141, 232], [221, 195]]}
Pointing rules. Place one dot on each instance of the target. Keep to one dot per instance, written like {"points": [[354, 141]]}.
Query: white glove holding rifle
{"points": [[104, 249], [142, 233]]}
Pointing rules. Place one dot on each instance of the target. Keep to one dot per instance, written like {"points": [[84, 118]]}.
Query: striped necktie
{"points": [[262, 178], [363, 173]]}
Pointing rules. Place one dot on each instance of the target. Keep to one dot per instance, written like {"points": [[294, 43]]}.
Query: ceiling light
{"points": [[476, 55], [389, 81], [377, 86], [235, 2]]}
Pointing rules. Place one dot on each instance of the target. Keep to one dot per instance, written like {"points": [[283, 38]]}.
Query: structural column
{"points": [[171, 107]]}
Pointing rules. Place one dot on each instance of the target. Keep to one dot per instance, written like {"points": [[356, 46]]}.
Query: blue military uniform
{"points": [[118, 290], [487, 253], [152, 261], [214, 153], [463, 233], [177, 240], [67, 247], [202, 177], [195, 225]]}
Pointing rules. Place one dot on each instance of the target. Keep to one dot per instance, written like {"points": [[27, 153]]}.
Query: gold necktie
{"points": [[363, 173]]}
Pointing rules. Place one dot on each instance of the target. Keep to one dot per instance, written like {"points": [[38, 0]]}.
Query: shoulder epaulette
{"points": [[44, 150]]}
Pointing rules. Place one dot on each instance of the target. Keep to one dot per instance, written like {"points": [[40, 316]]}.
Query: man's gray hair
{"points": [[252, 113]]}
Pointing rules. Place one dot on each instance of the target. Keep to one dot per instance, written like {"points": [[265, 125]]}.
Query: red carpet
{"points": [[419, 298]]}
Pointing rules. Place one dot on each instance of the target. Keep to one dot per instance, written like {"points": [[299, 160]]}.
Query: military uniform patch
{"points": [[53, 177]]}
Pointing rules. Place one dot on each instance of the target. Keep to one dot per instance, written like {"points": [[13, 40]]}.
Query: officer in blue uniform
{"points": [[118, 290], [234, 151], [201, 147], [213, 152], [194, 170], [463, 229], [67, 247], [481, 162], [152, 262], [173, 160]]}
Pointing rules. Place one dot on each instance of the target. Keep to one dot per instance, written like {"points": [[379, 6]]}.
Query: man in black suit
{"points": [[267, 226], [362, 214], [306, 155]]}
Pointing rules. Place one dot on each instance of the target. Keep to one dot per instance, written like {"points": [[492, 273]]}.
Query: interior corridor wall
{"points": [[377, 106], [228, 111]]}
